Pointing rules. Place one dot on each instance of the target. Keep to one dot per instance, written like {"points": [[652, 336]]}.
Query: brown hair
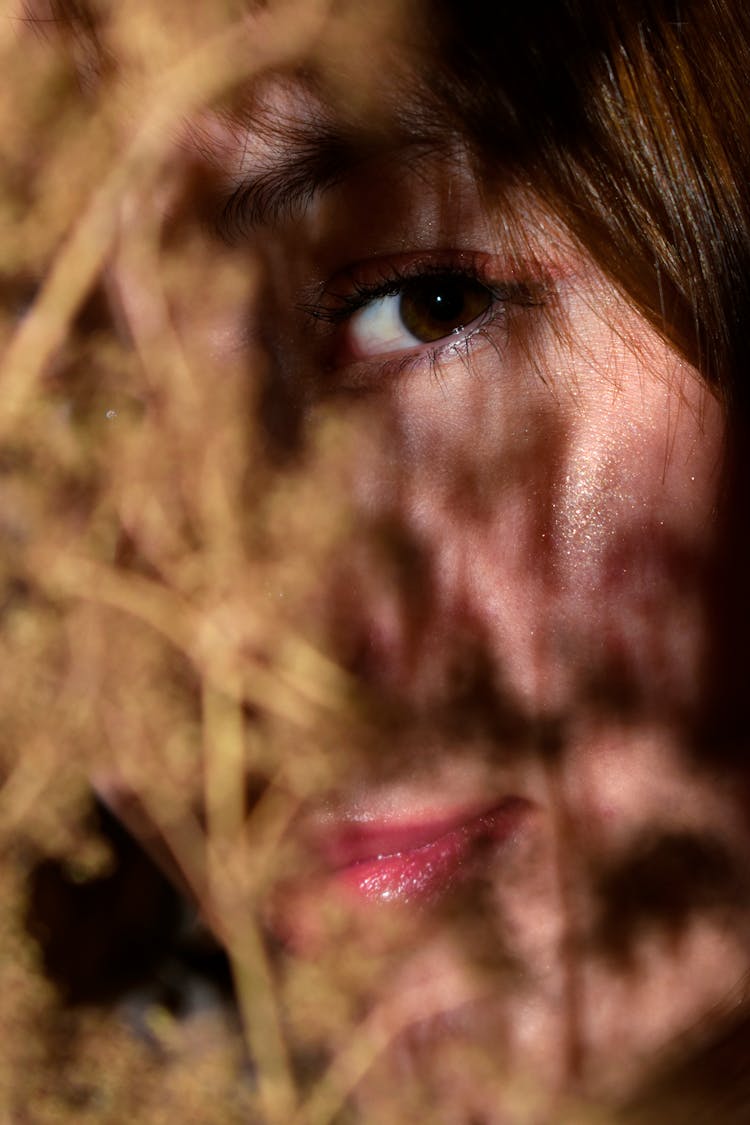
{"points": [[630, 120]]}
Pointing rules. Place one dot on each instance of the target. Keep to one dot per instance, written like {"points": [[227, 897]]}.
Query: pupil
{"points": [[432, 308], [444, 301]]}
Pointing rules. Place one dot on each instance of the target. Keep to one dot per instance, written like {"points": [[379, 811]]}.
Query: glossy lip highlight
{"points": [[418, 862]]}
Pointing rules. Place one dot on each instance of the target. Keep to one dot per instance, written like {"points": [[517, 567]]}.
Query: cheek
{"points": [[635, 534], [575, 536]]}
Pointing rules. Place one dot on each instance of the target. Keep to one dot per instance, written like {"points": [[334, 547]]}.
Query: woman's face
{"points": [[525, 599]]}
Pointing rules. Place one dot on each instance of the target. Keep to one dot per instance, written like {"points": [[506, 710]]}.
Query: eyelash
{"points": [[336, 307]]}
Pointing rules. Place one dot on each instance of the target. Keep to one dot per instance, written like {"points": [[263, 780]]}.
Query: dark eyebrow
{"points": [[304, 165], [301, 162]]}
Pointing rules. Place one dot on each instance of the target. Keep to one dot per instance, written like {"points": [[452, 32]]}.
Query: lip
{"points": [[418, 861]]}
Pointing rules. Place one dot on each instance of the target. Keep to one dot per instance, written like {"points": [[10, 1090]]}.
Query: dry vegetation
{"points": [[141, 624]]}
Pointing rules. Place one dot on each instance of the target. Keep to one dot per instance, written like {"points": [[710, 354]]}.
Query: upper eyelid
{"points": [[349, 291], [339, 307]]}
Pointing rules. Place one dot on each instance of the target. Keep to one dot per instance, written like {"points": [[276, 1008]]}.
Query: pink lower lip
{"points": [[418, 863]]}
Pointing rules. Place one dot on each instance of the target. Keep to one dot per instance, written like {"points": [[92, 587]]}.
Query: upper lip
{"points": [[346, 842]]}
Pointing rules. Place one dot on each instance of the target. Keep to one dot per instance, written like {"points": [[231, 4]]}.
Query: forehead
{"points": [[291, 136]]}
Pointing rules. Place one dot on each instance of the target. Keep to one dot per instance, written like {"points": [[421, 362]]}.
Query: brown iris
{"points": [[434, 307]]}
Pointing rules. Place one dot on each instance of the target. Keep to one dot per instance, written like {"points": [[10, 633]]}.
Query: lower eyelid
{"points": [[377, 372]]}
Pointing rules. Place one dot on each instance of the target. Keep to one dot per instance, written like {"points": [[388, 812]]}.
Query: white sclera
{"points": [[378, 328]]}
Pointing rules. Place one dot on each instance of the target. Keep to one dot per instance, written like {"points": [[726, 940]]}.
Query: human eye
{"points": [[388, 317], [415, 311]]}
